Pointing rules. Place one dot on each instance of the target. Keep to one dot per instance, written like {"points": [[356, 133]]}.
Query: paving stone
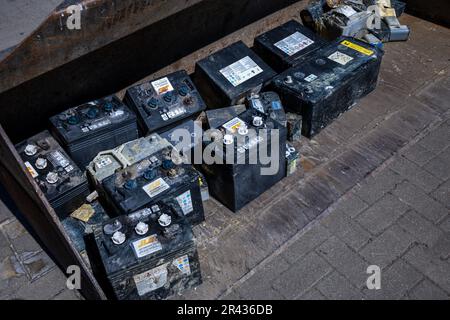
{"points": [[395, 282], [442, 194], [343, 174], [445, 225], [439, 166], [437, 270], [436, 94], [336, 287], [420, 201], [415, 174], [301, 276], [67, 295], [418, 154], [313, 294], [427, 290], [306, 243], [441, 248], [346, 230], [4, 212], [375, 187], [419, 228], [5, 249], [13, 229], [351, 205], [36, 264], [44, 288], [382, 214], [437, 140], [349, 263], [12, 276], [388, 247]]}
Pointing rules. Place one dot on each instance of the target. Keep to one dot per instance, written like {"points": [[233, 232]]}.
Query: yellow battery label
{"points": [[356, 47]]}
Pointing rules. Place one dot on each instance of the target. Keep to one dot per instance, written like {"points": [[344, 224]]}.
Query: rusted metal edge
{"points": [[53, 44]]}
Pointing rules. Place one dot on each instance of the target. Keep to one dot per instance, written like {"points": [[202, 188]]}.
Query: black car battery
{"points": [[154, 179], [62, 182], [161, 103], [82, 221], [270, 104], [228, 76], [285, 45], [147, 255], [329, 82], [292, 158], [248, 157], [99, 125]]}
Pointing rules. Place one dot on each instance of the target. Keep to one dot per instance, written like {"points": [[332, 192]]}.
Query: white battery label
{"points": [[162, 86], [340, 58], [233, 125], [185, 202], [294, 43], [31, 170], [241, 71], [146, 246], [311, 78], [151, 280], [155, 187]]}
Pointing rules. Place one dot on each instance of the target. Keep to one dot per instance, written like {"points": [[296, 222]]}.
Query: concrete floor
{"points": [[374, 190]]}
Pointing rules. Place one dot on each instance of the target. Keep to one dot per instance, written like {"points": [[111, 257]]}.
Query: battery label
{"points": [[340, 58], [156, 187], [241, 71], [233, 125], [310, 78], [31, 170], [356, 47], [162, 86], [57, 159], [294, 43], [182, 263], [151, 280], [146, 246], [103, 162], [185, 202]]}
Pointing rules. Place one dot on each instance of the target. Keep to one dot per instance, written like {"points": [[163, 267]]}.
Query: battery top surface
{"points": [[53, 170], [327, 69], [244, 138], [165, 100], [91, 119], [287, 43], [235, 69], [185, 136], [217, 117], [147, 235], [148, 181]]}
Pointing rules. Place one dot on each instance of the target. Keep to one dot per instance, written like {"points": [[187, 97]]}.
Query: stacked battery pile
{"points": [[128, 179]]}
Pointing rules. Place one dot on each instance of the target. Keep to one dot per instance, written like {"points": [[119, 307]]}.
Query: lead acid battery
{"points": [[62, 182], [148, 255], [329, 82], [270, 104], [228, 76], [237, 182], [154, 179], [99, 125], [285, 45], [161, 103]]}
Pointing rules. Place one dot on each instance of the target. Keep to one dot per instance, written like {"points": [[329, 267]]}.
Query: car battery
{"points": [[228, 76], [99, 125], [153, 179], [106, 163], [147, 255], [62, 182], [270, 104], [292, 158], [216, 117], [161, 103], [294, 126], [283, 46], [329, 82], [81, 222], [237, 182]]}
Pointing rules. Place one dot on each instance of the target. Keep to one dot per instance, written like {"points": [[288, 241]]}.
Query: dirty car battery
{"points": [[88, 129], [161, 103], [62, 182], [329, 82], [242, 138], [154, 179], [149, 254]]}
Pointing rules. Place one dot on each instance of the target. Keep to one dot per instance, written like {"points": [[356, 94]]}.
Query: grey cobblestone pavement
{"points": [[374, 190]]}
